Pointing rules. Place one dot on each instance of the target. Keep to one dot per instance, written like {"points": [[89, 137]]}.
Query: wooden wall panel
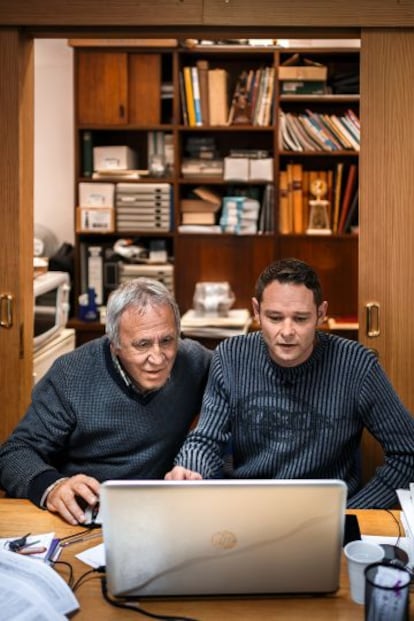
{"points": [[16, 230], [302, 13], [97, 13]]}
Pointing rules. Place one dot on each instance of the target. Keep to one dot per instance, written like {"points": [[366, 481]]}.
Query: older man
{"points": [[118, 407]]}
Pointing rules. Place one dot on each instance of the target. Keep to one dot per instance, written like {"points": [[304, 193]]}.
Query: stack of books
{"points": [[201, 208], [203, 93]]}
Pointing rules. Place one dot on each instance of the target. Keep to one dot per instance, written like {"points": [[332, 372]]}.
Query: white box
{"points": [[236, 168], [96, 194], [114, 158], [261, 169], [95, 220]]}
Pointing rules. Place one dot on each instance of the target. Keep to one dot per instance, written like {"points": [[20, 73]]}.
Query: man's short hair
{"points": [[139, 293], [290, 271]]}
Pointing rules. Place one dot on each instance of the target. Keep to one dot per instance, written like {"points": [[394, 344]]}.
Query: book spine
{"points": [[87, 154], [202, 66], [183, 99], [196, 96], [189, 96]]}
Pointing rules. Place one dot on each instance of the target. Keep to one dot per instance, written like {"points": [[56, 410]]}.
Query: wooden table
{"points": [[18, 517]]}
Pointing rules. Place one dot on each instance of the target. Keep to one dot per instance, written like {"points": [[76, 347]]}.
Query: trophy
{"points": [[319, 218]]}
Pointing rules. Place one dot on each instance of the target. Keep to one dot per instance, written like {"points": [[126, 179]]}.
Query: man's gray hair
{"points": [[139, 293]]}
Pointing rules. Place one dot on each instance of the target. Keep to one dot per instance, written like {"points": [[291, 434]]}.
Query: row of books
{"points": [[312, 131], [252, 101], [341, 197], [203, 94]]}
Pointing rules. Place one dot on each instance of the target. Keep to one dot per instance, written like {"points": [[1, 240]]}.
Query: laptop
{"points": [[222, 537]]}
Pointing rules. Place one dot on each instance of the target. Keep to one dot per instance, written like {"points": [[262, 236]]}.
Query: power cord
{"points": [[128, 606]]}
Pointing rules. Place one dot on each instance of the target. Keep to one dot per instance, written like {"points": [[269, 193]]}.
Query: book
{"points": [[183, 98], [337, 196], [198, 217], [297, 198], [285, 220], [188, 84], [208, 195], [217, 96], [202, 67], [87, 154], [352, 217], [347, 196], [197, 205], [196, 96]]}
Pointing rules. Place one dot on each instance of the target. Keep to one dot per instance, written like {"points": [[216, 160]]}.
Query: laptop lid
{"points": [[222, 537]]}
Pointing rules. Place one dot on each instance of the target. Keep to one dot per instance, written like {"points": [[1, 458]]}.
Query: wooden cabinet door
{"points": [[101, 87], [386, 255]]}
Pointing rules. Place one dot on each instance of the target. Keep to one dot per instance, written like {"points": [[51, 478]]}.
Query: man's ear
{"points": [[322, 310], [256, 309]]}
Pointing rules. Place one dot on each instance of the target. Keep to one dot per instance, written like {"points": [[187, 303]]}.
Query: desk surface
{"points": [[17, 517]]}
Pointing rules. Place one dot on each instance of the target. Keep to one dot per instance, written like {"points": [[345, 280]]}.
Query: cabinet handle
{"points": [[121, 111], [6, 310], [373, 319]]}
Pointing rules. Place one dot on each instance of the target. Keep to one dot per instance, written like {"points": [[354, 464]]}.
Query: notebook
{"points": [[222, 537]]}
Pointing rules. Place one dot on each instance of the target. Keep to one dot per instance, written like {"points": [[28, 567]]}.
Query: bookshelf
{"points": [[137, 98]]}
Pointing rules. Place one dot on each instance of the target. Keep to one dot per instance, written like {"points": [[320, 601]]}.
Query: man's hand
{"points": [[178, 473], [62, 498]]}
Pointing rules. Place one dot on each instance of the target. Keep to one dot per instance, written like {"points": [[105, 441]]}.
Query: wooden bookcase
{"points": [[119, 101]]}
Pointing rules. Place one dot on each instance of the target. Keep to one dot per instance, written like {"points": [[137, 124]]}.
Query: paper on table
{"points": [[403, 543], [49, 586], [42, 541], [94, 557]]}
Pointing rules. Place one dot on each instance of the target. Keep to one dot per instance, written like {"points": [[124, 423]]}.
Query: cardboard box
{"points": [[114, 158], [303, 73], [95, 220], [96, 194]]}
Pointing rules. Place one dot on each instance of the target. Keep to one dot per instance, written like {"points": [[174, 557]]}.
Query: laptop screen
{"points": [[222, 537]]}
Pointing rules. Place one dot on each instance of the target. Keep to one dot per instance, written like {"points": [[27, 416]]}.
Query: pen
{"points": [[27, 551], [79, 539]]}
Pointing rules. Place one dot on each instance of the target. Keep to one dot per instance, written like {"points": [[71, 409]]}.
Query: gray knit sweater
{"points": [[304, 421], [85, 419]]}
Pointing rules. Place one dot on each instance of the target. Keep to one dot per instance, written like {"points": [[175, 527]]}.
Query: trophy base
{"points": [[318, 232]]}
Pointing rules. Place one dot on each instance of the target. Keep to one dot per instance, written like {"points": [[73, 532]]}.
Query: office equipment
{"points": [[26, 517], [222, 537]]}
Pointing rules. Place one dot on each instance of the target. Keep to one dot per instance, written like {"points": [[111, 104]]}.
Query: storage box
{"points": [[261, 169], [303, 73], [96, 194], [95, 220], [236, 168], [114, 158]]}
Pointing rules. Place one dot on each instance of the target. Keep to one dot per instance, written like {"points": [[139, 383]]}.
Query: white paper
{"points": [[43, 541], [94, 557], [51, 589]]}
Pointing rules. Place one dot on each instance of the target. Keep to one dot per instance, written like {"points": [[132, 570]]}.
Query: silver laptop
{"points": [[222, 537]]}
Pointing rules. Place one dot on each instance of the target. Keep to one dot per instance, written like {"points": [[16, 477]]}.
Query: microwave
{"points": [[51, 306]]}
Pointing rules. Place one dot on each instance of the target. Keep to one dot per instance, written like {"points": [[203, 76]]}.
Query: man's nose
{"points": [[155, 354], [287, 328]]}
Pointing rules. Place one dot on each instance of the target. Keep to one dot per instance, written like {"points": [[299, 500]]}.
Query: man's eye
{"points": [[301, 319], [142, 345]]}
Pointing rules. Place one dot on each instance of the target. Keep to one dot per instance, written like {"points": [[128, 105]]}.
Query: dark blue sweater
{"points": [[304, 421], [84, 419]]}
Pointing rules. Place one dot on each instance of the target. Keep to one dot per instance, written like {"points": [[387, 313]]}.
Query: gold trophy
{"points": [[319, 218]]}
